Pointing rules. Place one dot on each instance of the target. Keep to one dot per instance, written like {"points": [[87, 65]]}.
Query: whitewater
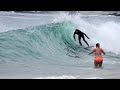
{"points": [[41, 46]]}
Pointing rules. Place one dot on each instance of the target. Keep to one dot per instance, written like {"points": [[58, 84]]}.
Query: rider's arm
{"points": [[86, 35], [74, 35]]}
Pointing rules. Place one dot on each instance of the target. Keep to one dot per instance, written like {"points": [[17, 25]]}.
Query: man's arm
{"points": [[102, 51], [91, 52], [86, 35], [74, 36]]}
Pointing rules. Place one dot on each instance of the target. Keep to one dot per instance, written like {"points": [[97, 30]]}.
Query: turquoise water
{"points": [[42, 46]]}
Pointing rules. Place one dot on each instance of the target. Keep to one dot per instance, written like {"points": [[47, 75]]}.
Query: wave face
{"points": [[46, 48], [51, 40]]}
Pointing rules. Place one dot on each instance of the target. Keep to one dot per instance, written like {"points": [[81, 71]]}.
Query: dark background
{"points": [[60, 5]]}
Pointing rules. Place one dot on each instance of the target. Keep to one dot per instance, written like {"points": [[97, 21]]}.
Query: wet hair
{"points": [[97, 45]]}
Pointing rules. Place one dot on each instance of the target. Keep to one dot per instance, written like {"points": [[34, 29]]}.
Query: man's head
{"points": [[98, 45], [77, 30]]}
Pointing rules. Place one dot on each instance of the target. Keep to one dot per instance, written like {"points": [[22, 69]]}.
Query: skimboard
{"points": [[88, 47]]}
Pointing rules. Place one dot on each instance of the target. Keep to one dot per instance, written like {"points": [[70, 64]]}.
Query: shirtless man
{"points": [[98, 56]]}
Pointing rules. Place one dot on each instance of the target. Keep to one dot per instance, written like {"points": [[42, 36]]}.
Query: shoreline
{"points": [[114, 13]]}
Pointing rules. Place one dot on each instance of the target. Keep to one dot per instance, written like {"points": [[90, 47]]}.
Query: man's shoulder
{"points": [[101, 49], [94, 49]]}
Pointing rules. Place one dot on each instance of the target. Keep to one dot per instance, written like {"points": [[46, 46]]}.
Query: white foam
{"points": [[94, 78], [57, 77], [108, 36], [67, 77], [4, 28]]}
